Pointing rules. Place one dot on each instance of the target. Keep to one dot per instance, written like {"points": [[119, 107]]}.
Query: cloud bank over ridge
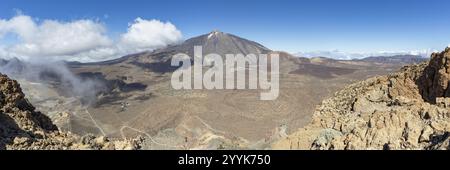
{"points": [[82, 40]]}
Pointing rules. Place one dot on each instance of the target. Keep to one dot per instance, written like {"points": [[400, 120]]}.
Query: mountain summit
{"points": [[214, 42], [220, 43]]}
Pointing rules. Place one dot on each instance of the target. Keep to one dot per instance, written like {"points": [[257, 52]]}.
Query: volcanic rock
{"points": [[405, 110]]}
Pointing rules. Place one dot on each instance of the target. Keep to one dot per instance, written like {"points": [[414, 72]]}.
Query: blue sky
{"points": [[301, 25]]}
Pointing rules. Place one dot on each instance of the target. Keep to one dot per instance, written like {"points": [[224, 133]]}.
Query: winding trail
{"points": [[122, 133], [95, 122], [209, 127], [74, 113], [148, 135]]}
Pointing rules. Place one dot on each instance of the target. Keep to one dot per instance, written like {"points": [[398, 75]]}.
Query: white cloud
{"points": [[81, 40], [150, 34], [53, 38], [98, 54], [22, 25]]}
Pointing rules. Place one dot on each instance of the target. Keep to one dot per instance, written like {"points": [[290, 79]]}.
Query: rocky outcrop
{"points": [[405, 110], [435, 81], [22, 127]]}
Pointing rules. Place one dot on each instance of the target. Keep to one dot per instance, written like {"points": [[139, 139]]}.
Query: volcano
{"points": [[134, 97]]}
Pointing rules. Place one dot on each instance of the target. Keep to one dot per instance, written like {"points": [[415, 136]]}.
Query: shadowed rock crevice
{"points": [[8, 130]]}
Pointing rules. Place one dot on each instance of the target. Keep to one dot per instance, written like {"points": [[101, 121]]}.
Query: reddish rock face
{"points": [[435, 80]]}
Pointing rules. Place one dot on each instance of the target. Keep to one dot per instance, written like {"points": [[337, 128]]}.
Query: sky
{"points": [[119, 27]]}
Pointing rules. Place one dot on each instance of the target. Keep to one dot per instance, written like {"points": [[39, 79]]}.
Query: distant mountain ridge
{"points": [[396, 59], [409, 59], [342, 55]]}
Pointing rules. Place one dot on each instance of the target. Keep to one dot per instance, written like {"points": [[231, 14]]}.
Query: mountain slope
{"points": [[406, 110], [214, 42]]}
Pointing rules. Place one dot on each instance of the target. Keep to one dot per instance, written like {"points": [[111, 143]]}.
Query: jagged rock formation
{"points": [[22, 127], [435, 80], [405, 110]]}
